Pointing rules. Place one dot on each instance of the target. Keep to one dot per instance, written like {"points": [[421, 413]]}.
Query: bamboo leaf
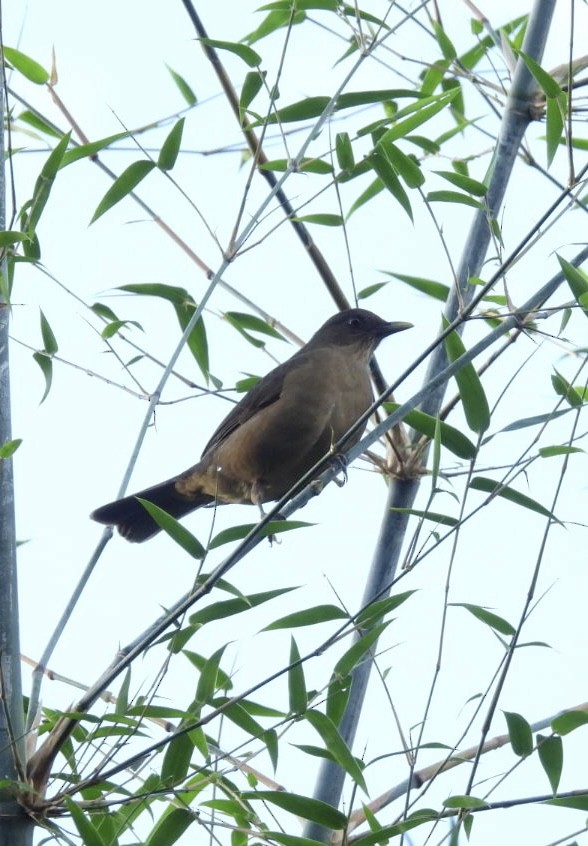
{"points": [[183, 87], [451, 438], [569, 721], [123, 186], [466, 183], [177, 532], [520, 733], [46, 364], [308, 617], [344, 151], [551, 756], [578, 282], [480, 483], [297, 695], [274, 527], [301, 806], [229, 607], [387, 174], [475, 404], [437, 290], [247, 54], [8, 448], [493, 620], [336, 746], [88, 831], [29, 68], [170, 827], [171, 147]]}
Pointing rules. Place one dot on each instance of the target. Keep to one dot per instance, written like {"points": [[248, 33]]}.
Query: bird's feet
{"points": [[340, 464]]}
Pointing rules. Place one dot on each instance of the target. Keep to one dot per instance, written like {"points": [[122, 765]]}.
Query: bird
{"points": [[289, 420]]}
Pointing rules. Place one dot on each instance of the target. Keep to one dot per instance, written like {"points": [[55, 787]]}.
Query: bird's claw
{"points": [[340, 463]]}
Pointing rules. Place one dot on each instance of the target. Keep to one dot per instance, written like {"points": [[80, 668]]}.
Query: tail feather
{"points": [[134, 522]]}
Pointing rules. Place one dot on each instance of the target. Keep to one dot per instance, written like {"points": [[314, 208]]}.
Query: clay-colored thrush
{"points": [[286, 423]]}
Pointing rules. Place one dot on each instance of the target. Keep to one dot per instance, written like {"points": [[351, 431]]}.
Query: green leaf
{"points": [[520, 733], [183, 87], [551, 756], [49, 342], [207, 683], [405, 166], [451, 438], [8, 448], [564, 389], [274, 527], [321, 219], [170, 827], [301, 806], [480, 483], [428, 286], [29, 68], [9, 237], [305, 165], [578, 282], [184, 307], [543, 79], [39, 123], [90, 150], [308, 617], [370, 290], [313, 107], [453, 197], [44, 184], [475, 404], [387, 175], [85, 825], [569, 721], [555, 115], [375, 611], [551, 451], [46, 364], [297, 695], [175, 530], [434, 516], [413, 820], [273, 21], [464, 802], [229, 607], [176, 760], [356, 652], [171, 147], [115, 327], [251, 87], [376, 187], [123, 186], [336, 746], [344, 151], [466, 183], [247, 54], [578, 803], [242, 321], [493, 620], [420, 113], [290, 839], [447, 48]]}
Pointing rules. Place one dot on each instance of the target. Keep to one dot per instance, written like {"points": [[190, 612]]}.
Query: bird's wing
{"points": [[263, 394]]}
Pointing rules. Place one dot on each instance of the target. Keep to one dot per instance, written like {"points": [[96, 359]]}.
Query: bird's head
{"points": [[356, 327]]}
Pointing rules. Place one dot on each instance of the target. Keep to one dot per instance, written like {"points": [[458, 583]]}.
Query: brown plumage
{"points": [[286, 423]]}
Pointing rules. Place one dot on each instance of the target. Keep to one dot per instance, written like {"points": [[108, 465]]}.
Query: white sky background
{"points": [[76, 445]]}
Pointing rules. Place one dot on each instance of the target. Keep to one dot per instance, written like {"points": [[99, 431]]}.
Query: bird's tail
{"points": [[134, 522]]}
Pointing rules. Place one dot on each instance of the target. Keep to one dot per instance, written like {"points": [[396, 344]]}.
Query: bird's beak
{"points": [[394, 326]]}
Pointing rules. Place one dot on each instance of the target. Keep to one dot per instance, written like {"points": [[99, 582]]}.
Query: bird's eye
{"points": [[354, 322]]}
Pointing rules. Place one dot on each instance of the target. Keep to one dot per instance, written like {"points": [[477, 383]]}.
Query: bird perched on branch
{"points": [[286, 423]]}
